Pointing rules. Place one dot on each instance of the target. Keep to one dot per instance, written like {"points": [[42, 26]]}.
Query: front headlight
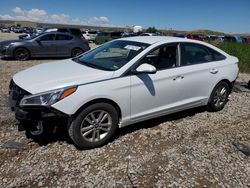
{"points": [[7, 46], [47, 98]]}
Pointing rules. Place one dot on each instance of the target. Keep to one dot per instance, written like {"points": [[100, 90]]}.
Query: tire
{"points": [[42, 132], [219, 97], [21, 54], [94, 126], [76, 52]]}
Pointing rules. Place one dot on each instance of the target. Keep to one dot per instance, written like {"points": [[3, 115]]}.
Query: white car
{"points": [[120, 83]]}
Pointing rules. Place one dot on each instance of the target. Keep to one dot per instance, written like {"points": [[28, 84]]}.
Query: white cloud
{"points": [[18, 11], [5, 17], [36, 14], [101, 19], [40, 15]]}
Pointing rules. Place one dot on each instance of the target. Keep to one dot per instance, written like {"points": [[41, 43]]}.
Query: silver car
{"points": [[53, 44]]}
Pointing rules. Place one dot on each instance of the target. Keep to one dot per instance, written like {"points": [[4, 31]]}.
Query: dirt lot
{"points": [[188, 149], [7, 36]]}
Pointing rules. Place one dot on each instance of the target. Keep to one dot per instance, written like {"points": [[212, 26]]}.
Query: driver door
{"points": [[156, 94], [45, 46]]}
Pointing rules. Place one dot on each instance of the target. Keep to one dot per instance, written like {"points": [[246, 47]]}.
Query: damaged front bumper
{"points": [[31, 115]]}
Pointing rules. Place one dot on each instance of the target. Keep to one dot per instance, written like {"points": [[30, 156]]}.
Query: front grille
{"points": [[16, 92]]}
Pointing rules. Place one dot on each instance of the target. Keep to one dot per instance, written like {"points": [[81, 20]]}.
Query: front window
{"points": [[164, 57], [47, 37], [113, 55]]}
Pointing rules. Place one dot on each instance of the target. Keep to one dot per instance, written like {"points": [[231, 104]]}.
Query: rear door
{"points": [[200, 67], [63, 44]]}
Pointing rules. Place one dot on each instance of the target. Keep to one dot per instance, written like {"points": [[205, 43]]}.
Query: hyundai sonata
{"points": [[120, 83]]}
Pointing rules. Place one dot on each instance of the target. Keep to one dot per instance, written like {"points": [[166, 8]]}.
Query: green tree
{"points": [[151, 30]]}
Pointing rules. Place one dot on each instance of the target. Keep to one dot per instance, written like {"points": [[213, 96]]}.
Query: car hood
{"points": [[7, 42], [58, 74]]}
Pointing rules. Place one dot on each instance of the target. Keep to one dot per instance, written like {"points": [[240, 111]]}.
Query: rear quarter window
{"points": [[217, 56], [75, 31], [63, 37], [196, 53]]}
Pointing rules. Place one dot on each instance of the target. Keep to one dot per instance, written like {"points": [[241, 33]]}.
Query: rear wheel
{"points": [[76, 52], [94, 126], [219, 97], [21, 54]]}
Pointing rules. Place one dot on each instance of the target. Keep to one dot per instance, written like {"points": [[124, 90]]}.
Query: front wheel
{"points": [[219, 97], [94, 126], [21, 54]]}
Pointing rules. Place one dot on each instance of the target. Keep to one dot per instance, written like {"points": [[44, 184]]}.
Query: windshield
{"points": [[33, 36], [113, 55]]}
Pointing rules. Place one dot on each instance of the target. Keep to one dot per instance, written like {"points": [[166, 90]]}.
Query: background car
{"points": [[103, 37], [193, 36], [74, 31], [180, 35], [5, 30], [52, 44], [18, 30], [148, 34], [129, 34], [90, 35]]}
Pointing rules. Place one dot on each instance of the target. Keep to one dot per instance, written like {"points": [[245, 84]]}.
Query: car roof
{"points": [[57, 32], [155, 39]]}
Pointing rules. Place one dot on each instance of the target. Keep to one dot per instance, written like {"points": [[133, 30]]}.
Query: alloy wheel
{"points": [[220, 96], [76, 52], [96, 126], [21, 54]]}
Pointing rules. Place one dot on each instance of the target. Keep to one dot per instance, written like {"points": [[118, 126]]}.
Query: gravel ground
{"points": [[187, 149], [9, 36]]}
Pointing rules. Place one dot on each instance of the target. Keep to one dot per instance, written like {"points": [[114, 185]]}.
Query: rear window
{"points": [[196, 54], [216, 55], [63, 37], [75, 31]]}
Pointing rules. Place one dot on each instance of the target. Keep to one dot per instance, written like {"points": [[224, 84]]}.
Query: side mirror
{"points": [[145, 68]]}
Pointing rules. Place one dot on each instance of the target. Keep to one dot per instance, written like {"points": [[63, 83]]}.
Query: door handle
{"points": [[214, 71], [177, 77]]}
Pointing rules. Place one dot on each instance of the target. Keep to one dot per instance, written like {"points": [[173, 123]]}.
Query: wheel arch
{"points": [[100, 100], [230, 84], [13, 52]]}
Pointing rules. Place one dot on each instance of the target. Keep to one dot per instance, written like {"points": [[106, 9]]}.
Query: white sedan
{"points": [[120, 83]]}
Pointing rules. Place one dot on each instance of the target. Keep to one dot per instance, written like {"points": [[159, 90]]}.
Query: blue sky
{"points": [[220, 15]]}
